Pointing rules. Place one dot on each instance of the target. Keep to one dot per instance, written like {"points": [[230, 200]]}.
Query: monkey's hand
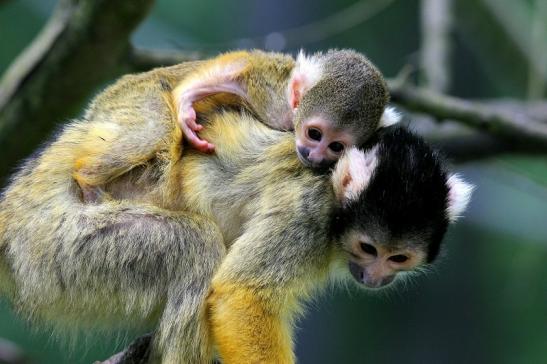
{"points": [[189, 126]]}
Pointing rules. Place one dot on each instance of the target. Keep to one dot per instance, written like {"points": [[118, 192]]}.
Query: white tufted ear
{"points": [[352, 173], [306, 73], [389, 117], [459, 194]]}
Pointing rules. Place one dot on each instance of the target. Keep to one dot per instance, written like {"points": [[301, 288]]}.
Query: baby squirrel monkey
{"points": [[331, 100]]}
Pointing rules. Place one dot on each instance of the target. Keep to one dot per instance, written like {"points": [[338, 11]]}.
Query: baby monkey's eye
{"points": [[399, 258], [369, 249], [336, 147], [314, 134]]}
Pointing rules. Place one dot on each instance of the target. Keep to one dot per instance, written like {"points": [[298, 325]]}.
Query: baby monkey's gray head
{"points": [[397, 202], [340, 100]]}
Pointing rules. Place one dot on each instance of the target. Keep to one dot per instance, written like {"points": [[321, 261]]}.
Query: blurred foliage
{"points": [[487, 301]]}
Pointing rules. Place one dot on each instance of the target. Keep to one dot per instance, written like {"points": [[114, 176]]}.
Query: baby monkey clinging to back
{"points": [[332, 100]]}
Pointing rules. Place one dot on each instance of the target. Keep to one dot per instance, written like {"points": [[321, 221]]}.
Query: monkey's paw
{"points": [[189, 126]]}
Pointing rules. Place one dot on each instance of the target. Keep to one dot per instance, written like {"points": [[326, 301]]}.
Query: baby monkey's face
{"points": [[376, 264], [319, 144]]}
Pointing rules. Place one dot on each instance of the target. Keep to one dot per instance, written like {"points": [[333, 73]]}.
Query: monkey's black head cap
{"points": [[406, 198]]}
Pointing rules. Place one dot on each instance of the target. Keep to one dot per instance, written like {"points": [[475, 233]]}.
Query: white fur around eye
{"points": [[459, 194], [353, 173], [390, 117]]}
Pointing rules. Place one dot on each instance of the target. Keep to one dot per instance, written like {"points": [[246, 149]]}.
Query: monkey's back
{"points": [[132, 105], [254, 170], [42, 212]]}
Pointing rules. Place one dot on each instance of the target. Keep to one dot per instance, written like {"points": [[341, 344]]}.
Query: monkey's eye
{"points": [[336, 147], [369, 249], [399, 258], [314, 134]]}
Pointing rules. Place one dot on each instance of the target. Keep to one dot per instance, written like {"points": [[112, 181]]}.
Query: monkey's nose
{"points": [[304, 152]]}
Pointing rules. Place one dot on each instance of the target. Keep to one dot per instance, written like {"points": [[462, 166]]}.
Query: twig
{"points": [[537, 76], [436, 23]]}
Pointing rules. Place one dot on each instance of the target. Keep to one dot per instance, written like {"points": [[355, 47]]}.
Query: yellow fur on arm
{"points": [[247, 325]]}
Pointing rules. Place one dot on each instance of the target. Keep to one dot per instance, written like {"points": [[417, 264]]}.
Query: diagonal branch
{"points": [[511, 125]]}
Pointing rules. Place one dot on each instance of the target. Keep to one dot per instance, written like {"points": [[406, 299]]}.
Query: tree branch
{"points": [[511, 124], [458, 142], [84, 44]]}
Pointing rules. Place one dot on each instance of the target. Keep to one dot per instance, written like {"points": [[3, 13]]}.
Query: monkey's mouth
{"points": [[322, 167], [303, 160], [361, 276]]}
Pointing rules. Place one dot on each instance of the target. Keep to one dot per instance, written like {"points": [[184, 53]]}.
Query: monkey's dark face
{"points": [[376, 265], [319, 144]]}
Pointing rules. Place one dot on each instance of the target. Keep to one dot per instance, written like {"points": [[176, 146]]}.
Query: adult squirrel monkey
{"points": [[333, 100], [250, 218]]}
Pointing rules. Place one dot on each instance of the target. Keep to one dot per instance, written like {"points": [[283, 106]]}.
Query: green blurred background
{"points": [[486, 302]]}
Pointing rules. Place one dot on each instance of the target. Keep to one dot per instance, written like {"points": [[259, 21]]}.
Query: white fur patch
{"points": [[309, 68], [390, 117], [353, 173], [459, 194]]}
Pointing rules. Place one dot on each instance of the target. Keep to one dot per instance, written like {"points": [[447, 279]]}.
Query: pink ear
{"points": [[306, 73], [295, 90], [353, 173]]}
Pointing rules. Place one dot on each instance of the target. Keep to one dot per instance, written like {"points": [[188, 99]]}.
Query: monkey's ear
{"points": [[389, 117], [306, 73], [459, 194], [352, 173]]}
